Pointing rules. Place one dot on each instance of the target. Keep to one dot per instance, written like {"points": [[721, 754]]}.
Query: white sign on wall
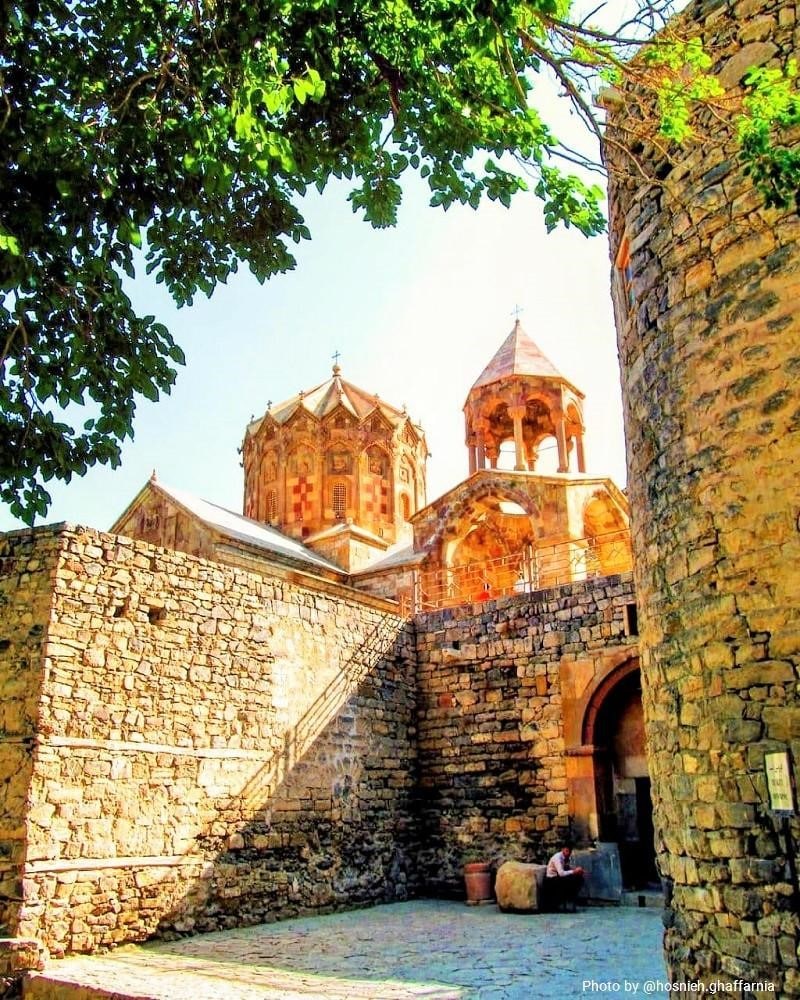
{"points": [[779, 782]]}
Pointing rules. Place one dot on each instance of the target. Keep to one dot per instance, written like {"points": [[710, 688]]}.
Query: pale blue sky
{"points": [[416, 312]]}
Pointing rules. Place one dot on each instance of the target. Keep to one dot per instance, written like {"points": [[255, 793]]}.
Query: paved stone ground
{"points": [[427, 949]]}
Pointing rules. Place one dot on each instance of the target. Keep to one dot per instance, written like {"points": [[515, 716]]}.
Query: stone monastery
{"points": [[342, 474], [338, 698], [213, 718]]}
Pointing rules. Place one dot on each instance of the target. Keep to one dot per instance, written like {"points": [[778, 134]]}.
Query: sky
{"points": [[415, 312]]}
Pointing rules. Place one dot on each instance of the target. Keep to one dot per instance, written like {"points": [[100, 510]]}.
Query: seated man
{"points": [[562, 882]]}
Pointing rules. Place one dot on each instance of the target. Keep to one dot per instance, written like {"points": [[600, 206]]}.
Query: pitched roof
{"points": [[399, 555], [518, 355], [324, 398], [241, 529]]}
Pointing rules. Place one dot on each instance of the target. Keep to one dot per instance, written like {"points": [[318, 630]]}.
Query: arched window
{"points": [[405, 506], [507, 456], [624, 276], [272, 506], [339, 500], [377, 462]]}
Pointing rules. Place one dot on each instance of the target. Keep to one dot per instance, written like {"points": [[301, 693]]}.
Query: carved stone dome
{"points": [[338, 468]]}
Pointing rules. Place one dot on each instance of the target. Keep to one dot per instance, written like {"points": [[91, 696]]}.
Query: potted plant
{"points": [[477, 881]]}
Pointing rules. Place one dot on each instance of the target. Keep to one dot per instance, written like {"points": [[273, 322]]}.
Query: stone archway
{"points": [[607, 780], [481, 542], [490, 546], [613, 726]]}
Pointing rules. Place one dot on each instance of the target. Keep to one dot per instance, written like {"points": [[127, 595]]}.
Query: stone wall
{"points": [[495, 685], [709, 336], [27, 568], [397, 583], [191, 747], [213, 747]]}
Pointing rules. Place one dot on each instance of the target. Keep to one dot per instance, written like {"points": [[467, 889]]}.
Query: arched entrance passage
{"points": [[613, 727], [489, 544]]}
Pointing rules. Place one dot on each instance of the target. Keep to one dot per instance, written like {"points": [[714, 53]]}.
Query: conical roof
{"points": [[518, 355]]}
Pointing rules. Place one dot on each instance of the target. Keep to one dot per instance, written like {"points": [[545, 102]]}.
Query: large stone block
{"points": [[518, 887], [602, 873]]}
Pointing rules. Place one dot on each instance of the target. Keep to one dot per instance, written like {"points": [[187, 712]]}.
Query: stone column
{"points": [[581, 456], [252, 504], [283, 512], [561, 440], [517, 413], [582, 794], [480, 429], [710, 354]]}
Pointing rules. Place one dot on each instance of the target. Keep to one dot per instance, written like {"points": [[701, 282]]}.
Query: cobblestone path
{"points": [[425, 949]]}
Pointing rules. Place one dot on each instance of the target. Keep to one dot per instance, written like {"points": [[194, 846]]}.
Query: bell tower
{"points": [[522, 397]]}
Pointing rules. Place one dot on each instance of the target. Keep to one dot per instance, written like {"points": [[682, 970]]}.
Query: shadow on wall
{"points": [[215, 748], [327, 821]]}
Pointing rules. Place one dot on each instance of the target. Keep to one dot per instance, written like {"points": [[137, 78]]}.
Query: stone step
{"points": [[642, 898]]}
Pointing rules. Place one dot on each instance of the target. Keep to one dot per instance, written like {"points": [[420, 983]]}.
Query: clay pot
{"points": [[478, 881]]}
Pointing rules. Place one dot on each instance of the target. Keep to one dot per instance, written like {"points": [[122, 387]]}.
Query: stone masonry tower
{"points": [[520, 396], [706, 291], [338, 468]]}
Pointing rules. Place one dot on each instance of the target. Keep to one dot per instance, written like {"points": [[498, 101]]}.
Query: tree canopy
{"points": [[180, 136]]}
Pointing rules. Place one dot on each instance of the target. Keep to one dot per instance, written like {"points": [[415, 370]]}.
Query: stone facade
{"points": [[174, 519], [571, 526], [338, 468], [499, 533], [709, 336], [188, 746], [495, 685], [508, 528]]}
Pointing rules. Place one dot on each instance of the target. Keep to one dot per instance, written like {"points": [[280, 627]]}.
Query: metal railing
{"points": [[533, 568]]}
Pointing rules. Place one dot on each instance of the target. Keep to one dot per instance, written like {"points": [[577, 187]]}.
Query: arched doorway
{"points": [[614, 728]]}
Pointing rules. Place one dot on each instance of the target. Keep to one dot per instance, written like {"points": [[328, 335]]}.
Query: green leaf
{"points": [[301, 90], [10, 244], [129, 233]]}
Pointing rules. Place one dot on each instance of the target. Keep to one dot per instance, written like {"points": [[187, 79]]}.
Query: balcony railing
{"points": [[531, 569]]}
